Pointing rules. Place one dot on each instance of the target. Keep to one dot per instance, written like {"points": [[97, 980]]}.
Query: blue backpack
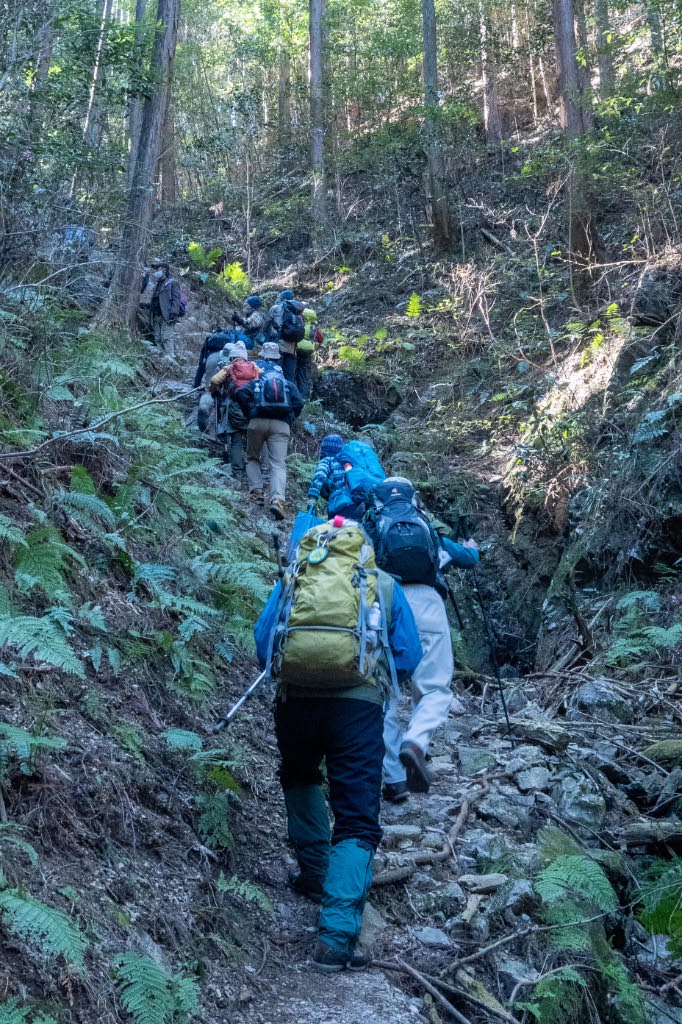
{"points": [[363, 470]]}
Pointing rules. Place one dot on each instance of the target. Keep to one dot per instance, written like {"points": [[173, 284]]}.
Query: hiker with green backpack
{"points": [[409, 548], [336, 635]]}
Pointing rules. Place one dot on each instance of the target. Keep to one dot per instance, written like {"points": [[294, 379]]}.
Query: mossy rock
{"points": [[665, 752]]}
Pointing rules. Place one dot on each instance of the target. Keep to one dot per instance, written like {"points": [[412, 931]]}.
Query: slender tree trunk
{"points": [[653, 19], [317, 14], [92, 127], [443, 229], [584, 66], [603, 34], [135, 110], [515, 34], [284, 80], [123, 296], [167, 169], [492, 122], [581, 234]]}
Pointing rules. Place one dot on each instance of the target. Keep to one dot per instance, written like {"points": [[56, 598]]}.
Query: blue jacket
{"points": [[328, 477], [403, 637], [462, 557]]}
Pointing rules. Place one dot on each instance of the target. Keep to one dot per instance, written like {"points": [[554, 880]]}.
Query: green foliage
{"points": [[202, 259], [578, 877], [24, 746], [233, 280], [11, 533], [51, 932], [151, 994], [213, 820], [414, 306], [245, 891], [11, 835], [661, 902], [354, 358], [41, 640], [43, 563], [182, 739], [557, 998], [12, 1013], [88, 510]]}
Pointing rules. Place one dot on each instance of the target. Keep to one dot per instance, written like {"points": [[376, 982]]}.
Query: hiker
{"points": [[238, 372], [329, 705], [271, 404], [304, 352], [407, 547], [212, 356], [329, 481], [286, 328], [165, 307], [252, 321]]}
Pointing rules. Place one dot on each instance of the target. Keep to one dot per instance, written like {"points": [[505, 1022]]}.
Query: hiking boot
{"points": [[311, 888], [395, 792], [256, 496], [359, 961], [330, 959], [277, 508], [413, 760]]}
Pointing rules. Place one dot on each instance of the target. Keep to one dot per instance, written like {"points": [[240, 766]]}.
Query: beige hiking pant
{"points": [[274, 434], [163, 336]]}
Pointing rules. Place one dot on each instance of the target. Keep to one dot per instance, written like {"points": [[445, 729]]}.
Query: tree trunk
{"points": [[443, 229], [123, 296], [584, 67], [581, 236], [492, 122], [135, 110], [92, 127], [317, 13], [284, 79], [603, 33], [169, 180]]}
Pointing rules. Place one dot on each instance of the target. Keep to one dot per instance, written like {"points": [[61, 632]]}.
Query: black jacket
{"points": [[245, 398]]}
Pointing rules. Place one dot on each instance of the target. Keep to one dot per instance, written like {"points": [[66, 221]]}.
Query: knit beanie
{"points": [[331, 445], [254, 301], [238, 351], [286, 294]]}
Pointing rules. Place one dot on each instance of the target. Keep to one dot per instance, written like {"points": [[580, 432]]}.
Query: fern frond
{"points": [[10, 532], [44, 562], [17, 742], [661, 638], [557, 998], [151, 994], [87, 509], [245, 891], [152, 573], [11, 834], [12, 1013], [182, 739], [579, 877], [40, 640], [648, 599], [51, 931], [553, 843]]}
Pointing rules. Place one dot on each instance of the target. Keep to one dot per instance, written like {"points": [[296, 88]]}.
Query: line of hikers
{"points": [[254, 402], [359, 610]]}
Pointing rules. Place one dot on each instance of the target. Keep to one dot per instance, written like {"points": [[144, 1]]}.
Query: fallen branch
{"points": [[494, 240], [404, 968], [29, 452], [507, 939], [399, 874]]}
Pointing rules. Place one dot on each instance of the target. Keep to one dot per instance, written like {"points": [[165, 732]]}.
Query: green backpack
{"points": [[331, 629]]}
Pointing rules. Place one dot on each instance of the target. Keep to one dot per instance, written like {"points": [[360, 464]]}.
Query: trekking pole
{"points": [[224, 722], [451, 595], [462, 530]]}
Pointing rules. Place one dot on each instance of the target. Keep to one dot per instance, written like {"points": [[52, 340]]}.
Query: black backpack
{"points": [[293, 325], [404, 543], [271, 392]]}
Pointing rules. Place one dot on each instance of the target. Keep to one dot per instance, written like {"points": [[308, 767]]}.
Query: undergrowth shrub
{"points": [[52, 933], [12, 1013], [151, 994]]}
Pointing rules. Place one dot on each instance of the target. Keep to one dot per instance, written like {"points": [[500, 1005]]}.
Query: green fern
{"points": [[12, 835], [152, 995], [41, 640], [87, 509], [24, 746], [12, 1013], [152, 574], [212, 824], [44, 562], [647, 599], [661, 899], [577, 877], [245, 891], [182, 739], [10, 532], [651, 427], [414, 306], [557, 998], [52, 932]]}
